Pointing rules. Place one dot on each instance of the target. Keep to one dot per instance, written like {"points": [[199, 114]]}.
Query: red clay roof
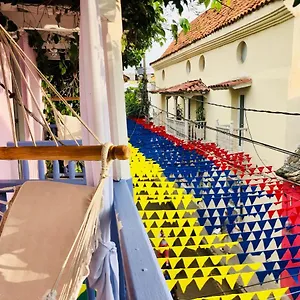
{"points": [[212, 20], [194, 86], [231, 83]]}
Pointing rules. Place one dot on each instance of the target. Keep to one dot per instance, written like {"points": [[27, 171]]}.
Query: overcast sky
{"points": [[190, 12]]}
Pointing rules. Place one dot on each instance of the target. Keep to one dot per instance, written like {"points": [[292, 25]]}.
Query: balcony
{"points": [[135, 254], [186, 130], [225, 140]]}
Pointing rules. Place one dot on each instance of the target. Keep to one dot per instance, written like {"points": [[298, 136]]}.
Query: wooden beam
{"points": [[66, 98], [74, 153]]}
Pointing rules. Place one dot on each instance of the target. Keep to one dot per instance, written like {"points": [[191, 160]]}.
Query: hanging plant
{"points": [[200, 113], [179, 112], [62, 72]]}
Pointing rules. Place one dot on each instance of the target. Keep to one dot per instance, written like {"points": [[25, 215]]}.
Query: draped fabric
{"points": [[94, 110]]}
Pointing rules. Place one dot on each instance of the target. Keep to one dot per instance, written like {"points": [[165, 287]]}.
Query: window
{"points": [[188, 67], [242, 52], [202, 63], [163, 74]]}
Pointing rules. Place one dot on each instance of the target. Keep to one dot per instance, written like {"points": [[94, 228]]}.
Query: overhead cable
{"points": [[272, 147], [254, 109]]}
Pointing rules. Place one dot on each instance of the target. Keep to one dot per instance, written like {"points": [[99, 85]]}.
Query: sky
{"points": [[190, 12]]}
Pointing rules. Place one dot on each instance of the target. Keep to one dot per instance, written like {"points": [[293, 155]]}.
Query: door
{"points": [[241, 119]]}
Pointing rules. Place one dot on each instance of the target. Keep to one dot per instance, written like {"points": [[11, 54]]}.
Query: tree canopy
{"points": [[143, 24]]}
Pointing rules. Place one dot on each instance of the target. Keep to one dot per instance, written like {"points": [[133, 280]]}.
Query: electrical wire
{"points": [[277, 178], [253, 109], [220, 158], [229, 162], [272, 147], [256, 151], [252, 285], [249, 109]]}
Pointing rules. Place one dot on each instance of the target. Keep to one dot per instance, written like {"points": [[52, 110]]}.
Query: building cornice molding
{"points": [[209, 43]]}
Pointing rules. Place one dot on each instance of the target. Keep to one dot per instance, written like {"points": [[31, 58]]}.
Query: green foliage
{"points": [[63, 74], [143, 24], [179, 112], [9, 25], [185, 25], [200, 112], [134, 105]]}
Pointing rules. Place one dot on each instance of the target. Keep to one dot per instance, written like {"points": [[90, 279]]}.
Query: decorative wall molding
{"points": [[265, 21]]}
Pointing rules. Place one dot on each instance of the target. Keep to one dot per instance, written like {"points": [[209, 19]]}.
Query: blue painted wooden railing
{"points": [[140, 274]]}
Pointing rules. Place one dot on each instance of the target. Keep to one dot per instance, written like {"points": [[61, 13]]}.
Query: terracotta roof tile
{"points": [[230, 84], [212, 20], [194, 86]]}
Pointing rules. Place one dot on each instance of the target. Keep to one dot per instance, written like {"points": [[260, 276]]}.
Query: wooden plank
{"points": [[75, 153]]}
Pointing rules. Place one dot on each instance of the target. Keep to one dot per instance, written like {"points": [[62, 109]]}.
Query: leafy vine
{"points": [[62, 70]]}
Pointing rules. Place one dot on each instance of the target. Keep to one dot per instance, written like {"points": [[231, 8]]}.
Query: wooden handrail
{"points": [[69, 153]]}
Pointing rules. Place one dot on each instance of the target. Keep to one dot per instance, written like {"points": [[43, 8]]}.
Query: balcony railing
{"points": [[197, 130], [186, 130], [225, 140], [135, 253], [177, 128]]}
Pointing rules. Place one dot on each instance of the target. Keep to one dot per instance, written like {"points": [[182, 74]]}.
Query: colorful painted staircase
{"points": [[219, 177], [152, 188]]}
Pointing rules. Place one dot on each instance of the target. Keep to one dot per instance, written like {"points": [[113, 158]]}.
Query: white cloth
{"points": [[94, 111]]}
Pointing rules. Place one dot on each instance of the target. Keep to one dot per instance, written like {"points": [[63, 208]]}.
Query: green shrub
{"points": [[134, 105]]}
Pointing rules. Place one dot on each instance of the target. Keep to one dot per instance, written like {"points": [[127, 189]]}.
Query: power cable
{"points": [[229, 162], [272, 147], [252, 285], [250, 109], [256, 151], [253, 109], [218, 157]]}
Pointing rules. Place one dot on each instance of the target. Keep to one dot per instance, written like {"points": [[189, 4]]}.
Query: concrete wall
{"points": [[293, 103], [270, 54]]}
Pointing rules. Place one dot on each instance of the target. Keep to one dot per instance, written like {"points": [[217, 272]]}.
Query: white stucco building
{"points": [[245, 56]]}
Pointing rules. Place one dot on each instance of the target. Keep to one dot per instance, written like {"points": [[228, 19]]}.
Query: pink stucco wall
{"points": [[8, 169], [34, 82]]}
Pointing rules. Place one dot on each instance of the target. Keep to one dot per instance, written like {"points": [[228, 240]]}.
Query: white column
{"points": [[94, 110], [93, 99], [112, 33], [93, 82], [186, 116]]}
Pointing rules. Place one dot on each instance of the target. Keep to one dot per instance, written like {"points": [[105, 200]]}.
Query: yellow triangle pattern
{"points": [[181, 231]]}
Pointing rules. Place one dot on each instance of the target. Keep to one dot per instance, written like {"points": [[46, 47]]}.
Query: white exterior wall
{"points": [[268, 63], [193, 109], [293, 103]]}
